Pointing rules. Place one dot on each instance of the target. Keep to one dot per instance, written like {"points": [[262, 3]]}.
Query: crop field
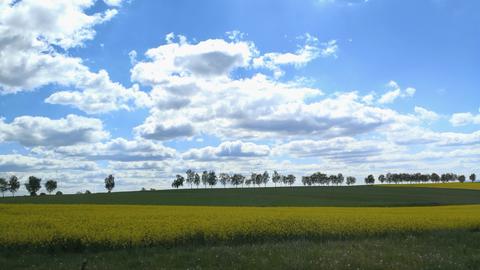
{"points": [[70, 226], [471, 186], [364, 227], [353, 196]]}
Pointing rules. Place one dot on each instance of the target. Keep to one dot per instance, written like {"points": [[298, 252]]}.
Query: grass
{"points": [[438, 250], [471, 186], [78, 227], [356, 196]]}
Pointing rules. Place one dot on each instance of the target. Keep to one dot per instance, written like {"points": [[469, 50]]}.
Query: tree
{"points": [[461, 178], [178, 181], [252, 180], [13, 184], [351, 180], [265, 178], [205, 178], [276, 178], [340, 179], [237, 179], [258, 179], [212, 179], [370, 180], [382, 178], [190, 177], [109, 183], [50, 186], [290, 179], [435, 177], [33, 185], [224, 179], [473, 177], [3, 186], [196, 180]]}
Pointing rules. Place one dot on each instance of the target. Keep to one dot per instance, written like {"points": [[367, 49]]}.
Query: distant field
{"points": [[472, 186], [355, 196], [117, 226]]}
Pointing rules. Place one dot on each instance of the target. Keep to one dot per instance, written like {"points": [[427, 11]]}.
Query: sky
{"points": [[145, 90]]}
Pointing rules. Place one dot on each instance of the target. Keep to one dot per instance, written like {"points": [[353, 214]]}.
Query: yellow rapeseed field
{"points": [[128, 225]]}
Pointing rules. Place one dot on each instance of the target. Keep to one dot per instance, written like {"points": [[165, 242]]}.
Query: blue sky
{"points": [[148, 89]]}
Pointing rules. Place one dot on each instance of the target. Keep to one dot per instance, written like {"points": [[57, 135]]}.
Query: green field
{"points": [[401, 195], [359, 227]]}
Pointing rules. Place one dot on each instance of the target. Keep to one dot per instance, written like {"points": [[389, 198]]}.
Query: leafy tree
{"points": [[290, 179], [205, 178], [248, 182], [382, 178], [13, 184], [276, 178], [370, 180], [258, 179], [33, 185], [3, 186], [59, 193], [178, 181], [224, 179], [88, 192], [351, 180], [190, 177], [109, 183], [50, 186], [461, 178], [435, 177], [212, 179], [265, 178], [340, 179], [238, 179], [196, 180], [473, 177], [253, 179]]}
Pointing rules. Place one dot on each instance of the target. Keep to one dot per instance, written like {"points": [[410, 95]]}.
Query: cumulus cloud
{"points": [[118, 149], [463, 119], [308, 52], [227, 150], [35, 38], [396, 92], [425, 114], [42, 131], [206, 59], [22, 163]]}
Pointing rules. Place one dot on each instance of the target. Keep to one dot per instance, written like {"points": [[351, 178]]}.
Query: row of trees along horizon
{"points": [[257, 179], [33, 185]]}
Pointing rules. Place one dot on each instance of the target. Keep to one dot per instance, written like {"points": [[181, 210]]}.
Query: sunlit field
{"points": [[77, 227], [456, 185]]}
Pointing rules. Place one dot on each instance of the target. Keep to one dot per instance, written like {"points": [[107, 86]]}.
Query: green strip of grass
{"points": [[284, 196]]}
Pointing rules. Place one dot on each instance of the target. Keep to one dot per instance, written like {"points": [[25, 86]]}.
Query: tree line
{"points": [[33, 185], [210, 178]]}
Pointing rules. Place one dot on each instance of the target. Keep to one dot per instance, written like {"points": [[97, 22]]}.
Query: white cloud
{"points": [[118, 149], [426, 115], [228, 150], [345, 149], [206, 59], [396, 92], [114, 3], [305, 54], [463, 119], [31, 35], [22, 163], [42, 131]]}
